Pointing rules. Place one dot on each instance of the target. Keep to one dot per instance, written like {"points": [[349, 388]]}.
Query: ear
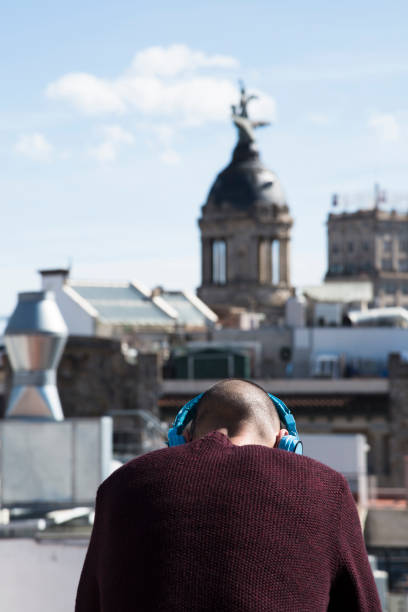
{"points": [[281, 434], [187, 434]]}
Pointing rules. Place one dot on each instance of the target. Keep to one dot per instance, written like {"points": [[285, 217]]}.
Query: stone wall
{"points": [[371, 244], [94, 378], [398, 373], [249, 282]]}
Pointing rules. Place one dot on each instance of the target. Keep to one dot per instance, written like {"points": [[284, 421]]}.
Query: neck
{"points": [[244, 437]]}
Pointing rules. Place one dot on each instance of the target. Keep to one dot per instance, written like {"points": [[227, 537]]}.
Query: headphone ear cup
{"points": [[291, 444], [174, 438]]}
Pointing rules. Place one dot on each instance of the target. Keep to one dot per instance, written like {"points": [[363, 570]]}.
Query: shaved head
{"points": [[236, 404]]}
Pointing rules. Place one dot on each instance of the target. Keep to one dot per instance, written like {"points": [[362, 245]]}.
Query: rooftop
{"points": [[395, 315], [340, 292], [190, 310], [131, 304], [123, 304], [368, 213]]}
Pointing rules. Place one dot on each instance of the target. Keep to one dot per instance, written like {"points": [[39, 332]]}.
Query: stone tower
{"points": [[245, 231], [371, 245]]}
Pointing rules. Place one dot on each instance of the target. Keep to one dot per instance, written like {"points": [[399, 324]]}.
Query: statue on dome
{"points": [[241, 119]]}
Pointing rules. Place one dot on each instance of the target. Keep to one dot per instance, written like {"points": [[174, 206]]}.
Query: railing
{"points": [[136, 432]]}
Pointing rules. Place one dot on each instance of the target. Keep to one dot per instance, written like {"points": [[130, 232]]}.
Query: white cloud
{"points": [[175, 59], [385, 125], [114, 136], [105, 152], [87, 93], [162, 82], [118, 135], [35, 146], [170, 157]]}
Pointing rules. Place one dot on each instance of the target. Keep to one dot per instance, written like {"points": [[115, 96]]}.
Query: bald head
{"points": [[237, 405]]}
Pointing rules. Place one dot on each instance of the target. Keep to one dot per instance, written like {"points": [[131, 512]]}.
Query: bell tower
{"points": [[245, 231]]}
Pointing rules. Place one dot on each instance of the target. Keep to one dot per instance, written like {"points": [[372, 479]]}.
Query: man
{"points": [[227, 523]]}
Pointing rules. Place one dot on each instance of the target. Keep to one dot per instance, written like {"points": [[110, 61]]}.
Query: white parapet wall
{"points": [[54, 463], [40, 575], [354, 342], [345, 453]]}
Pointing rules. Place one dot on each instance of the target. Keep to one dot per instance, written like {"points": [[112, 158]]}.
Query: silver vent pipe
{"points": [[35, 338]]}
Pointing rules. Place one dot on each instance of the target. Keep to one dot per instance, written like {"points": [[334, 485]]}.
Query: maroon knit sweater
{"points": [[209, 526]]}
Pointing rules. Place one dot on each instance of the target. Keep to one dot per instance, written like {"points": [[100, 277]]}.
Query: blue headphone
{"points": [[291, 442]]}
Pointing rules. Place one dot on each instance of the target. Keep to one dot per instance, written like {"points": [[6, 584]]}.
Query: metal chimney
{"points": [[35, 338]]}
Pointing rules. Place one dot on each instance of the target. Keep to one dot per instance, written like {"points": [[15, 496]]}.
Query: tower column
{"points": [[284, 261], [264, 261], [206, 260]]}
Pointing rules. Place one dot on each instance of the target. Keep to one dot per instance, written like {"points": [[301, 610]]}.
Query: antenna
{"points": [[398, 200], [380, 195]]}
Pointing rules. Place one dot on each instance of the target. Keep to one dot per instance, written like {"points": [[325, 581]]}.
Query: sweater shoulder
{"points": [[316, 467], [147, 463], [163, 463], [299, 468]]}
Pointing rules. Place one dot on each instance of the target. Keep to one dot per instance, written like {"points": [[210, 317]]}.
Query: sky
{"points": [[114, 122]]}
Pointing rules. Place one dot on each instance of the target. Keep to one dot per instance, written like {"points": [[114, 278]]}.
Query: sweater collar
{"points": [[218, 437]]}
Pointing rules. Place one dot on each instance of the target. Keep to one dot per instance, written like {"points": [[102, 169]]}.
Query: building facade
{"points": [[371, 245], [245, 232]]}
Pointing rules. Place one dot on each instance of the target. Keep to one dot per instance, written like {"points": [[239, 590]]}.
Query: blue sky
{"points": [[114, 123]]}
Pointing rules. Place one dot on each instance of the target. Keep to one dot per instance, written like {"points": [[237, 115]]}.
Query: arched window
{"points": [[219, 262], [268, 261]]}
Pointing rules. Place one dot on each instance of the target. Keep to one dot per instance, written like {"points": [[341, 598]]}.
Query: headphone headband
{"points": [[186, 414]]}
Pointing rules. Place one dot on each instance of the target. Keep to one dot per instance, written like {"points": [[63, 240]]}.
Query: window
{"points": [[351, 268], [275, 252], [350, 247], [219, 262], [403, 265], [403, 244], [335, 249], [387, 245], [390, 287], [336, 268], [268, 261], [366, 246], [386, 264]]}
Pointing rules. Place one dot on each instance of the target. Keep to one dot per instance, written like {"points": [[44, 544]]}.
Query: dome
{"points": [[245, 182]]}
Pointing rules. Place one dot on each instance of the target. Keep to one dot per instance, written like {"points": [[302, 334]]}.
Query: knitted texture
{"points": [[209, 526]]}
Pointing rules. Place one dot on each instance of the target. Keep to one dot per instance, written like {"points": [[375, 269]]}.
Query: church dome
{"points": [[246, 182]]}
